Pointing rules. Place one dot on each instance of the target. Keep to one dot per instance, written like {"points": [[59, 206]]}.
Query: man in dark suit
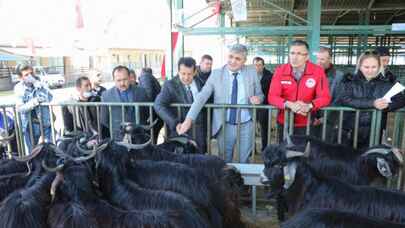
{"points": [[182, 89], [152, 87], [262, 114], [123, 92]]}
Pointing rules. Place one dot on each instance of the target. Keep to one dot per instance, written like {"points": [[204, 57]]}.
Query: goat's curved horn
{"points": [[307, 151], [52, 169], [384, 151], [7, 138], [180, 139], [37, 150], [148, 127], [135, 146], [55, 183], [289, 141], [96, 149], [84, 151], [293, 154]]}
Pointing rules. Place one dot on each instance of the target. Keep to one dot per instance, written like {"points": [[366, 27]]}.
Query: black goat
{"points": [[302, 187], [317, 218], [225, 181], [112, 165], [27, 208], [376, 163]]}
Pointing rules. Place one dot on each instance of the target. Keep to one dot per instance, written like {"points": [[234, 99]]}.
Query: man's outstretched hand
{"points": [[182, 128]]}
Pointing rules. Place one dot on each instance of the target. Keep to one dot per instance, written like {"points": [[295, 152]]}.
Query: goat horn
{"points": [[52, 169], [148, 127], [37, 150], [55, 183], [180, 139], [84, 151], [289, 141], [7, 138], [384, 151], [96, 149], [135, 146], [307, 151], [293, 154]]}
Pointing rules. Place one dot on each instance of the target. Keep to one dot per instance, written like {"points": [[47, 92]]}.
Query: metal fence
{"points": [[394, 127]]}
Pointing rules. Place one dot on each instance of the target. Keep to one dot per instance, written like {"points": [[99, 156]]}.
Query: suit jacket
{"points": [[215, 85], [173, 91], [112, 95]]}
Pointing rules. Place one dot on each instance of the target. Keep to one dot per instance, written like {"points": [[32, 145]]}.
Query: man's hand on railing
{"points": [[182, 128], [305, 108], [254, 100], [294, 106], [381, 104]]}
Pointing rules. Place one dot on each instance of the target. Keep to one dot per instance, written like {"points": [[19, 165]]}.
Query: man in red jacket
{"points": [[300, 86]]}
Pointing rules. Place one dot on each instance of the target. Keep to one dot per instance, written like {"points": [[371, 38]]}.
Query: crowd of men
{"points": [[300, 86]]}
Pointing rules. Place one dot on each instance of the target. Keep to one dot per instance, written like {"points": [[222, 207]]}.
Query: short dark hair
{"points": [[383, 51], [206, 57], [299, 43], [258, 59], [187, 61], [120, 68], [146, 70], [131, 71], [23, 67], [326, 49], [80, 81]]}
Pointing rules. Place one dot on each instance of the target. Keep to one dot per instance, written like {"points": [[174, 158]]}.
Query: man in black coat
{"points": [[182, 89], [265, 80], [152, 87]]}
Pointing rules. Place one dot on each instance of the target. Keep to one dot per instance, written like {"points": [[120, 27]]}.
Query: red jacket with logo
{"points": [[313, 87]]}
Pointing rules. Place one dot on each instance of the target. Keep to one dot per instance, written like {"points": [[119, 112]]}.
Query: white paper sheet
{"points": [[397, 88]]}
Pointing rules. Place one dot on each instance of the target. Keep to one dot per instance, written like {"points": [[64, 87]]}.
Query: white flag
{"points": [[239, 10]]}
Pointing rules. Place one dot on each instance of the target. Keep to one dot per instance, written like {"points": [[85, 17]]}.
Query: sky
{"points": [[123, 23]]}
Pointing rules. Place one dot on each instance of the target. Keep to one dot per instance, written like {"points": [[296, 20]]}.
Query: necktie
{"points": [[234, 98], [189, 94]]}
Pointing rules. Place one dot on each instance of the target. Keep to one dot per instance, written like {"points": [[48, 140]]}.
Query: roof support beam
{"points": [[314, 35], [285, 11], [293, 30]]}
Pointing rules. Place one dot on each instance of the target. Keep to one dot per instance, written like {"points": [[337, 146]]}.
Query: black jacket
{"points": [[150, 84], [357, 92], [76, 116], [388, 76], [202, 76], [173, 91], [265, 84]]}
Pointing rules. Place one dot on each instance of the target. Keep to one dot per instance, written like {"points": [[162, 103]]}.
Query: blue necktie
{"points": [[234, 98]]}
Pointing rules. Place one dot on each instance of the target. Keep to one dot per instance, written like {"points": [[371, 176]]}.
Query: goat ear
{"points": [[384, 168], [289, 174]]}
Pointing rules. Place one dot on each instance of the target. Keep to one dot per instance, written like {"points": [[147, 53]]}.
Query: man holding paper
{"points": [[365, 90]]}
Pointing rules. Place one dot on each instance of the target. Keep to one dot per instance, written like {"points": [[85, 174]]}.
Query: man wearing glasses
{"points": [[300, 86]]}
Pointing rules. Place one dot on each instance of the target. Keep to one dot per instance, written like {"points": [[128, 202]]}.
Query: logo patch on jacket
{"points": [[310, 83], [286, 82]]}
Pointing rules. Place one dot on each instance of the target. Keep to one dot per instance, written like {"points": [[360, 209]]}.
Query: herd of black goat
{"points": [[84, 182], [320, 185], [87, 183]]}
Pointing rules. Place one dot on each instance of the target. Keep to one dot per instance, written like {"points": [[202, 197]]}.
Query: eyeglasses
{"points": [[298, 53]]}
